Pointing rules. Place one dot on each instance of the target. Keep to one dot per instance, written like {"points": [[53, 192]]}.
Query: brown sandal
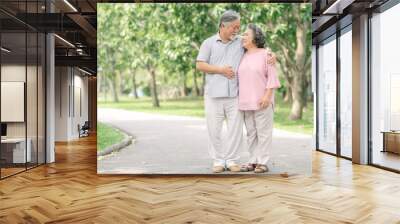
{"points": [[261, 168], [247, 167]]}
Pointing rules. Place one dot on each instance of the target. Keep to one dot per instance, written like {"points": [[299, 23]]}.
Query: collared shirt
{"points": [[214, 52]]}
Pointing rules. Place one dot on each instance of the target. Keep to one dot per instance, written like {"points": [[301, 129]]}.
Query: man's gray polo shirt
{"points": [[215, 52]]}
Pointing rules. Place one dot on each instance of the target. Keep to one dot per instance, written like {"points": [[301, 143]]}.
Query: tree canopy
{"points": [[153, 46]]}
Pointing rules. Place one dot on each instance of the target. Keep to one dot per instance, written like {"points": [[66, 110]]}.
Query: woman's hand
{"points": [[265, 101]]}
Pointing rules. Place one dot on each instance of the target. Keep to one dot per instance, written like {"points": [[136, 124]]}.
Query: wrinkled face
{"points": [[248, 38], [231, 29]]}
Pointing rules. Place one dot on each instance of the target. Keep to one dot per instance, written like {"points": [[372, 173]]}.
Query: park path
{"points": [[166, 144]]}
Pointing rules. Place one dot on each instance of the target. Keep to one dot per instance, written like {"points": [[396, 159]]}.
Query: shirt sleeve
{"points": [[272, 77], [204, 52]]}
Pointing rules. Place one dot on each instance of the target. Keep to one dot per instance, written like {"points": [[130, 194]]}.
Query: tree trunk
{"points": [[298, 99], [154, 94], [288, 94], [203, 84], [99, 82], [134, 85], [114, 87], [184, 86], [196, 87], [286, 68], [106, 88], [103, 86], [299, 88]]}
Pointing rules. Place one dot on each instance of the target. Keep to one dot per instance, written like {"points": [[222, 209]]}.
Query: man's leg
{"points": [[235, 130], [215, 117], [264, 125], [252, 142]]}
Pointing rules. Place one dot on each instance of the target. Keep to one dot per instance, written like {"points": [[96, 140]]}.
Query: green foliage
{"points": [[146, 90], [137, 37], [168, 36]]}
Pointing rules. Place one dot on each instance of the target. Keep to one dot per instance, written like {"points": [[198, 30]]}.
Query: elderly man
{"points": [[219, 57]]}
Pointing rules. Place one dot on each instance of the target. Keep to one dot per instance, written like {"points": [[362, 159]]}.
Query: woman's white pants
{"points": [[259, 125]]}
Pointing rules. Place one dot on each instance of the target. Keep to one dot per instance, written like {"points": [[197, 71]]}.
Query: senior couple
{"points": [[240, 82]]}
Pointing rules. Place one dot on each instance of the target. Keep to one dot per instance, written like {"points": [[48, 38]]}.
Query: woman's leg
{"points": [[249, 121], [264, 124]]}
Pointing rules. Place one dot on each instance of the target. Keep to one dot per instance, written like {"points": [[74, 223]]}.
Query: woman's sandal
{"points": [[261, 168], [247, 167]]}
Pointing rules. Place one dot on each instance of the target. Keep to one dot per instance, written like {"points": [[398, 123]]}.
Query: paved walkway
{"points": [[166, 144]]}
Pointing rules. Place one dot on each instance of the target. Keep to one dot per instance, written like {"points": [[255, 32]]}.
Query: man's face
{"points": [[232, 29]]}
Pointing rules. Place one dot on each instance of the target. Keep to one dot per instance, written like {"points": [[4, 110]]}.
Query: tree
{"points": [[292, 43], [164, 40], [109, 45], [149, 34]]}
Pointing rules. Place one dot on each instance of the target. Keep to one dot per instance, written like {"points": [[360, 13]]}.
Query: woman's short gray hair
{"points": [[258, 36], [228, 17]]}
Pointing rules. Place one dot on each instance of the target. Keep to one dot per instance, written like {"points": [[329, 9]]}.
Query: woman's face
{"points": [[247, 39]]}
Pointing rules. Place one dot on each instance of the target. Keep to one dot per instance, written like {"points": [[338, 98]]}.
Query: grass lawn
{"points": [[107, 136], [184, 106], [281, 120], [195, 107]]}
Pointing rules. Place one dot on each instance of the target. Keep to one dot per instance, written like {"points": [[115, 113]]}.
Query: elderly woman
{"points": [[257, 81]]}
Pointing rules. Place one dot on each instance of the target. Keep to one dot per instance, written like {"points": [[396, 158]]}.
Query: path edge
{"points": [[128, 139]]}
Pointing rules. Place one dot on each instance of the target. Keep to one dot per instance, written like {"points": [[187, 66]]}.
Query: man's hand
{"points": [[271, 59], [227, 71]]}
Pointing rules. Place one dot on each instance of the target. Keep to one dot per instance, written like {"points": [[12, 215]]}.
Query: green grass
{"points": [[107, 136], [184, 106], [195, 107], [281, 120]]}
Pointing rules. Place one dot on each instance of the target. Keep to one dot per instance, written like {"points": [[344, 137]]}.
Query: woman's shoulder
{"points": [[260, 52]]}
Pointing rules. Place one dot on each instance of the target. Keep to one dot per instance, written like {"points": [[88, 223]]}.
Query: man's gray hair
{"points": [[228, 17]]}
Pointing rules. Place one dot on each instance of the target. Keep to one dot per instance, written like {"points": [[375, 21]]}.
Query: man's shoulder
{"points": [[211, 39]]}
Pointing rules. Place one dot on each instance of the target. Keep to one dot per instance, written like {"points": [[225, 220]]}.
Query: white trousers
{"points": [[217, 110], [259, 125]]}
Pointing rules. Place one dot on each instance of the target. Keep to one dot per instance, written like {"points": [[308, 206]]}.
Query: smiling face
{"points": [[230, 30], [248, 39]]}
